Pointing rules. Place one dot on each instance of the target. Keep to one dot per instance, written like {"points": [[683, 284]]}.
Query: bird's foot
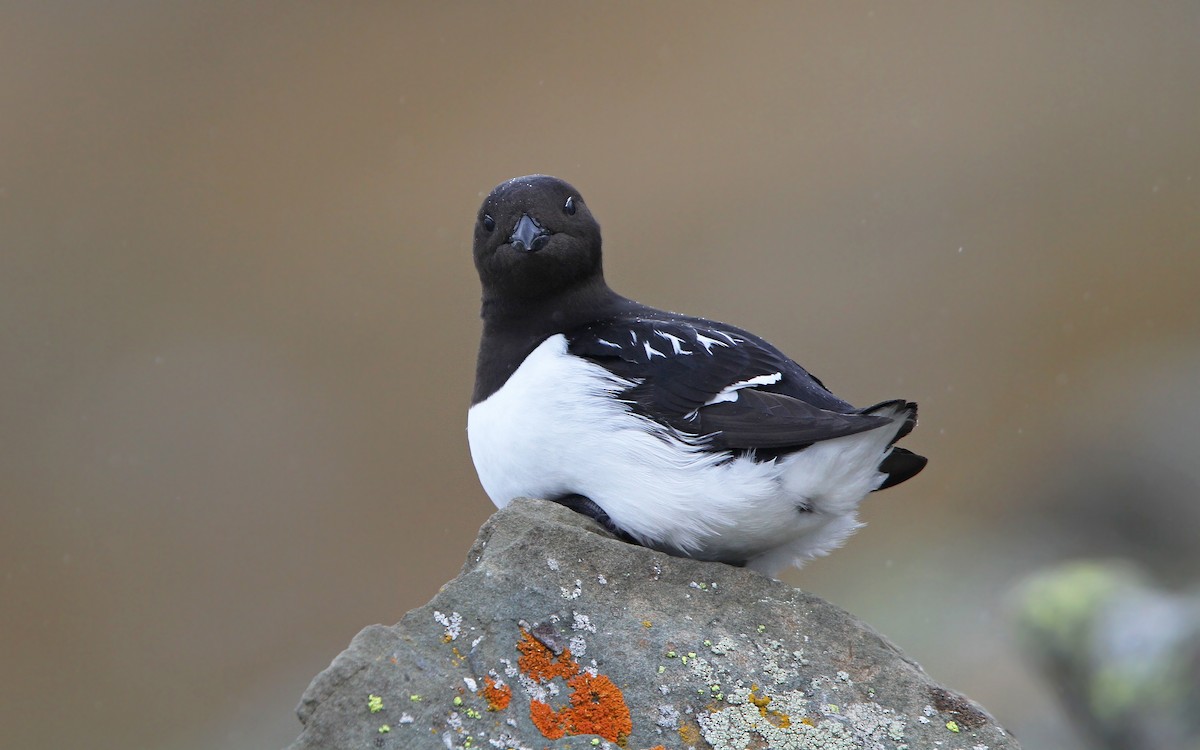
{"points": [[587, 507]]}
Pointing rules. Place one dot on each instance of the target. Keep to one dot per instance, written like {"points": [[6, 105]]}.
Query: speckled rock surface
{"points": [[556, 635]]}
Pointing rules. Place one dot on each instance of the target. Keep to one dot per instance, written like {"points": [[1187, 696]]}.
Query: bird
{"points": [[678, 433]]}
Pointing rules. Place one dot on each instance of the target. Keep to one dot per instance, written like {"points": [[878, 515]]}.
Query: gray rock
{"points": [[556, 635]]}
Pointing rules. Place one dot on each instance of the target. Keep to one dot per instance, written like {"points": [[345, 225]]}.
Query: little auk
{"points": [[678, 433]]}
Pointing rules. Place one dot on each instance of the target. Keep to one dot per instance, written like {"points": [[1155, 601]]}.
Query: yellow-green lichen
{"points": [[374, 703], [1056, 605]]}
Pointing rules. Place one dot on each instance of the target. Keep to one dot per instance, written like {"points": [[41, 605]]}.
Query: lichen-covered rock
{"points": [[556, 635]]}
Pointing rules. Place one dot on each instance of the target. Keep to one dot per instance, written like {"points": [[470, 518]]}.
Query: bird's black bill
{"points": [[529, 235]]}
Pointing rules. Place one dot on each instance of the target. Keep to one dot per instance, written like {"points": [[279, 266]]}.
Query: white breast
{"points": [[555, 429]]}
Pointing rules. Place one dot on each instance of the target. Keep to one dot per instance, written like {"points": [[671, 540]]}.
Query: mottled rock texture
{"points": [[557, 635]]}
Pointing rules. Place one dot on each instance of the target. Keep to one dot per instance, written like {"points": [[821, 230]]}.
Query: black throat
{"points": [[512, 328]]}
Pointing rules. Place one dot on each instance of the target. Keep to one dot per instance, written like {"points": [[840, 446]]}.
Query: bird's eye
{"points": [[488, 222], [569, 206]]}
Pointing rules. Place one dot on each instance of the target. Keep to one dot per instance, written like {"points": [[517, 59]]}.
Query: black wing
{"points": [[718, 383]]}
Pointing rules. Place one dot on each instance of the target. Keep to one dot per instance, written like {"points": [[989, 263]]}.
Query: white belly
{"points": [[553, 429]]}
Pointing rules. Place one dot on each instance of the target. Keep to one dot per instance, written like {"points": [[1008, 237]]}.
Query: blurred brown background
{"points": [[239, 315]]}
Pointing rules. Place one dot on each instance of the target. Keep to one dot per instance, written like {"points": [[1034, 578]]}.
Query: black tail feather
{"points": [[901, 465]]}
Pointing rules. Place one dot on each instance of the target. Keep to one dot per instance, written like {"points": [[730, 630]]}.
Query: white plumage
{"points": [[557, 426]]}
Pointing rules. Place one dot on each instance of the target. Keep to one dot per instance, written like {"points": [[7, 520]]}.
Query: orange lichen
{"points": [[597, 704], [808, 722], [778, 718], [546, 720], [597, 707], [540, 663], [497, 696], [690, 734]]}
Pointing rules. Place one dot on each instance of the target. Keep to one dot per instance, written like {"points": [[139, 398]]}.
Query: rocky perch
{"points": [[557, 635]]}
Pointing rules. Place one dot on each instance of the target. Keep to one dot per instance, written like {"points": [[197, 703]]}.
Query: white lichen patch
{"points": [[510, 669], [668, 716], [578, 646], [743, 724], [572, 593], [777, 661], [789, 721], [552, 564], [533, 689], [471, 684], [872, 721], [600, 579], [508, 741], [452, 623], [406, 718], [582, 622], [705, 671], [723, 646]]}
